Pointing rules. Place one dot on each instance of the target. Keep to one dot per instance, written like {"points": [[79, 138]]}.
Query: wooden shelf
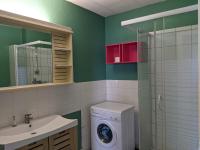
{"points": [[62, 57], [62, 65], [62, 49], [23, 21], [32, 86]]}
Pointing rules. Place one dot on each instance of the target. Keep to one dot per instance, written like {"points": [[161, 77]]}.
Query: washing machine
{"points": [[112, 126]]}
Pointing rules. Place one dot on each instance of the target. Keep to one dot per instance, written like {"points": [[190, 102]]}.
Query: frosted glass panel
{"points": [[32, 65], [168, 88], [145, 103], [174, 72]]}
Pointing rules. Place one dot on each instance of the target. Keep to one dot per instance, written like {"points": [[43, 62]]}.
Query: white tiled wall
{"points": [[125, 91], [54, 100], [66, 99]]}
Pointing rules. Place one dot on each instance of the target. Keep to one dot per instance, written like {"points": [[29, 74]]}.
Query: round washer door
{"points": [[105, 133]]}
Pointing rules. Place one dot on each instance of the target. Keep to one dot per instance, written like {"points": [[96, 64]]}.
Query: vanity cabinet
{"points": [[65, 140], [39, 145]]}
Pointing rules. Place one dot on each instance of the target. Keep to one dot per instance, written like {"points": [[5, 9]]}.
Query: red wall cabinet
{"points": [[122, 53], [113, 54]]}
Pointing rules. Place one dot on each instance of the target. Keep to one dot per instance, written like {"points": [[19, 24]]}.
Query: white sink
{"points": [[23, 134]]}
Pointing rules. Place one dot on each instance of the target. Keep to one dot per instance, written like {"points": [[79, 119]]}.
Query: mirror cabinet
{"points": [[34, 53]]}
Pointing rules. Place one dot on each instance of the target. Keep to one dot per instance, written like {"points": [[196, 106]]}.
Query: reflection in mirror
{"points": [[25, 56], [30, 63]]}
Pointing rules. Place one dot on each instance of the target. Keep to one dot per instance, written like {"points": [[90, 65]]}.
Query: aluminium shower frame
{"points": [[160, 15]]}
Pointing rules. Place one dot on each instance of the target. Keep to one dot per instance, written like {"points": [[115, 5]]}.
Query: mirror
{"points": [[25, 56]]}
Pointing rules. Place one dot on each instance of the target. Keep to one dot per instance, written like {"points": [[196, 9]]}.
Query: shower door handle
{"points": [[159, 103]]}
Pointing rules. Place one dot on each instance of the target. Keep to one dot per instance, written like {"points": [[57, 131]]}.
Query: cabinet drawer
{"points": [[65, 140], [39, 145]]}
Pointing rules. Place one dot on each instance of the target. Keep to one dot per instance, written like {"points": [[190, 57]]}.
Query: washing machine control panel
{"points": [[114, 118], [106, 115]]}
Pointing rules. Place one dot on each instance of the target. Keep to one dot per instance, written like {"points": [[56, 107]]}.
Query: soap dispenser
{"points": [[14, 123]]}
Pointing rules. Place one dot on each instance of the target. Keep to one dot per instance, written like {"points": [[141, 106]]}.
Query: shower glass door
{"points": [[150, 86], [168, 86]]}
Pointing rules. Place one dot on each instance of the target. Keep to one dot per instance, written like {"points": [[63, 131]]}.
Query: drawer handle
{"points": [[32, 144], [62, 132]]}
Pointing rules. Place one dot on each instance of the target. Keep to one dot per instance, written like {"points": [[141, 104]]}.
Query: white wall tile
{"points": [[184, 37], [169, 38], [54, 100], [125, 91], [6, 109], [66, 99]]}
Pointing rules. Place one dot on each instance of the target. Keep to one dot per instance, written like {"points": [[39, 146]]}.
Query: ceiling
{"points": [[111, 7]]}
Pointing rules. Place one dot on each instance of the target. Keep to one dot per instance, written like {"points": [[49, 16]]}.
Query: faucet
{"points": [[27, 118]]}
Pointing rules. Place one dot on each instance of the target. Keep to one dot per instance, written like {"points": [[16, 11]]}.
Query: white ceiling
{"points": [[112, 7]]}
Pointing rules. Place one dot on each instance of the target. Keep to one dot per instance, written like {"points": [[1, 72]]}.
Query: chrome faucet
{"points": [[28, 118]]}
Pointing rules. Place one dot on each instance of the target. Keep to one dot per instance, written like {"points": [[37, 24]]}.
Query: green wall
{"points": [[88, 37], [33, 35], [114, 33], [92, 31], [14, 37]]}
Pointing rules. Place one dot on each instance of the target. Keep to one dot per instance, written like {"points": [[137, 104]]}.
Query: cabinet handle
{"points": [[32, 144]]}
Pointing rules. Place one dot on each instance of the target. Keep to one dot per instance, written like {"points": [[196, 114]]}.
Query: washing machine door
{"points": [[105, 133]]}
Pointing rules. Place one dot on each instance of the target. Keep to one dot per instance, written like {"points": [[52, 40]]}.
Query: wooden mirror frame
{"points": [[61, 48]]}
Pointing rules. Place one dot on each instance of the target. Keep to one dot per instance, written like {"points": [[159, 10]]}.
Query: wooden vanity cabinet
{"points": [[39, 145], [65, 140]]}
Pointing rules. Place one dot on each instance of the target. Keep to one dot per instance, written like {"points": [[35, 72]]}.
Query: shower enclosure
{"points": [[168, 86], [168, 79], [30, 63]]}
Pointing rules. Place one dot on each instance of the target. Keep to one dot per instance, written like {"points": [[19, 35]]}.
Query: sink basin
{"points": [[23, 128], [23, 134]]}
